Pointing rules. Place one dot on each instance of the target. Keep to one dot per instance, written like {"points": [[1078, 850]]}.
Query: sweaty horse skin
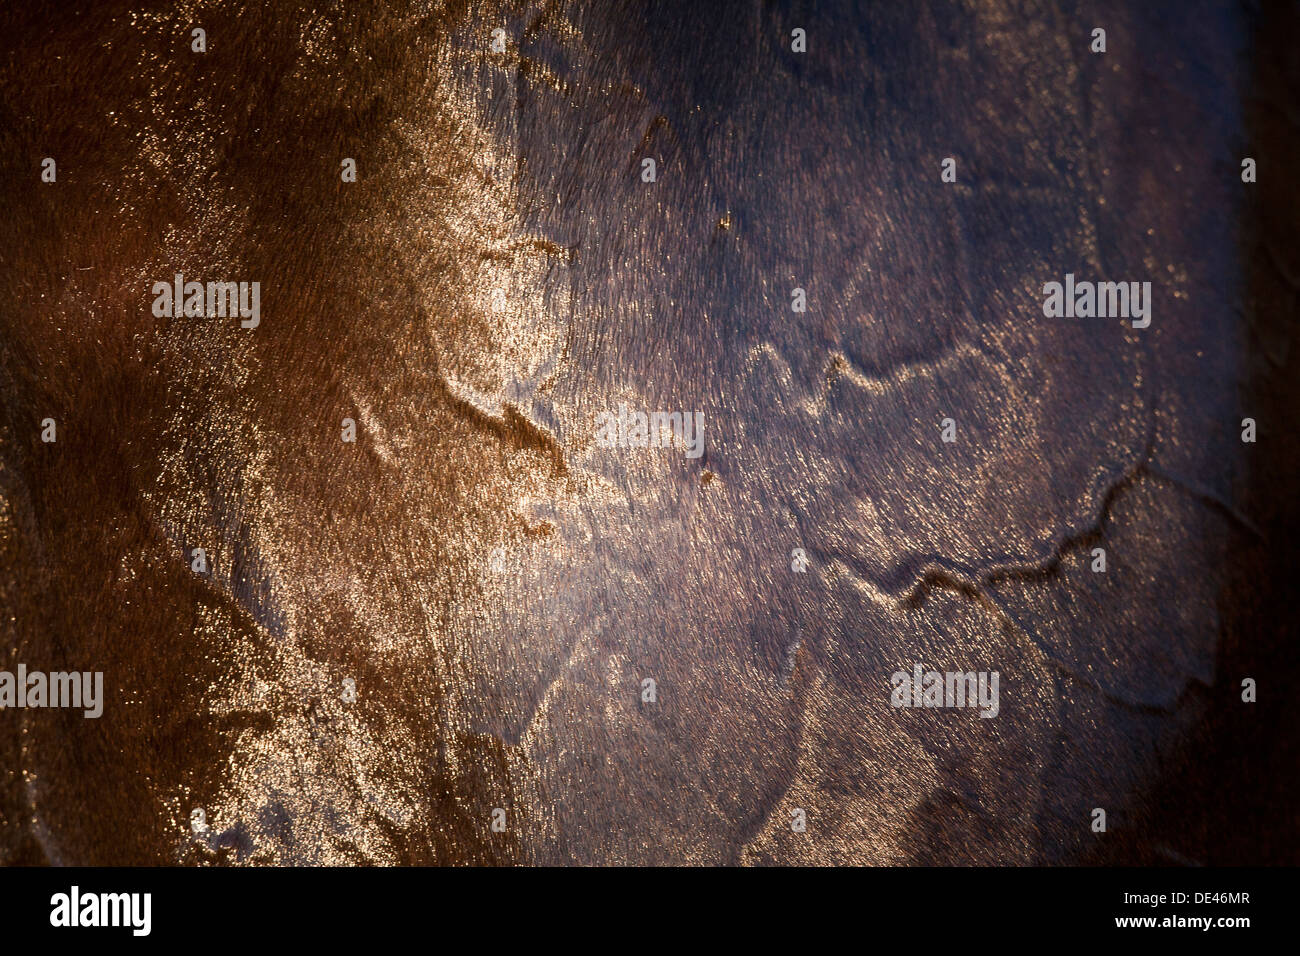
{"points": [[365, 588]]}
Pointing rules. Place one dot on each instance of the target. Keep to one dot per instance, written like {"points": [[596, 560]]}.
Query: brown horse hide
{"points": [[616, 412]]}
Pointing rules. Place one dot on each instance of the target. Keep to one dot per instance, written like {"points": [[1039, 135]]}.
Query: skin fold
{"points": [[495, 584]]}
